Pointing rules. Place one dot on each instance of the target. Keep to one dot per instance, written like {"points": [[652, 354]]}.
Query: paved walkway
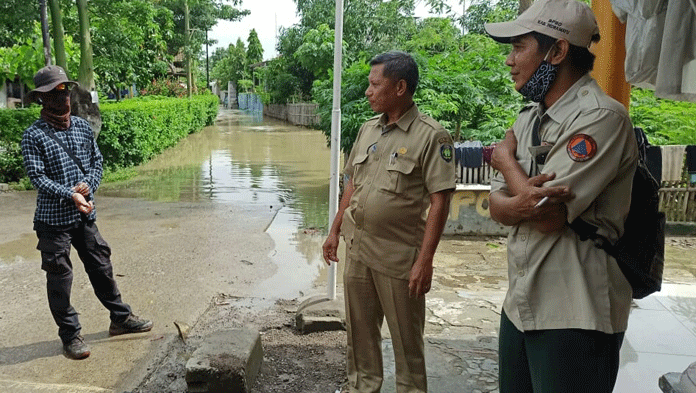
{"points": [[661, 338]]}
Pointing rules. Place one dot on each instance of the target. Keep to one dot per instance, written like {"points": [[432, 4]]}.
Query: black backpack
{"points": [[640, 252]]}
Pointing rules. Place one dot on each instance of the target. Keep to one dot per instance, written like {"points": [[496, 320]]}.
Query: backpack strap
{"points": [[70, 152], [587, 231]]}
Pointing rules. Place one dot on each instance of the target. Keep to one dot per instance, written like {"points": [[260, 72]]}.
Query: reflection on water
{"points": [[248, 159]]}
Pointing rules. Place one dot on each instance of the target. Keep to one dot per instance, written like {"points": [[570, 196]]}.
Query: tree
{"points": [[86, 74], [17, 19], [233, 66], [464, 84], [484, 11], [254, 49], [58, 34], [370, 26], [204, 15], [129, 42], [316, 52]]}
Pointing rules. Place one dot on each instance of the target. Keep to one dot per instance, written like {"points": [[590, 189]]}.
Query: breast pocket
{"points": [[359, 169], [400, 176]]}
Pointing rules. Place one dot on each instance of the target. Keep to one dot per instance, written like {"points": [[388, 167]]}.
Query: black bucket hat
{"points": [[47, 78]]}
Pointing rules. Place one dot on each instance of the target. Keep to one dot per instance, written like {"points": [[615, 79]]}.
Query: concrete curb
{"points": [[673, 228], [226, 361], [29, 387], [320, 314]]}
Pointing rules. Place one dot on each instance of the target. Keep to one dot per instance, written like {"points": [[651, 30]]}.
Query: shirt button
{"points": [[585, 92], [523, 238], [521, 273]]}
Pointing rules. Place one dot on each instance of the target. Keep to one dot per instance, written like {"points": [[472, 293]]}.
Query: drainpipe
{"points": [[335, 135]]}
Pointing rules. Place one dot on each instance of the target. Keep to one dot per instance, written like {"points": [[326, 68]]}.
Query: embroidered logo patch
{"points": [[581, 147], [446, 152]]}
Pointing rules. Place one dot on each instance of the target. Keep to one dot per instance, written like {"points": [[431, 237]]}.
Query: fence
{"points": [[679, 204], [276, 111], [480, 175], [250, 102], [304, 114]]}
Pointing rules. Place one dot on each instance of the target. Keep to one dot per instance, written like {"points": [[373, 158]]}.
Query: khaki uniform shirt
{"points": [[556, 280], [394, 170]]}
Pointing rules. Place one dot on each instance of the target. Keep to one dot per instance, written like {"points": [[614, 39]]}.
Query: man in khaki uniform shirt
{"points": [[567, 306], [393, 210]]}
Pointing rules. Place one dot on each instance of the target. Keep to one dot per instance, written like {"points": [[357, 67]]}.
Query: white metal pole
{"points": [[335, 135]]}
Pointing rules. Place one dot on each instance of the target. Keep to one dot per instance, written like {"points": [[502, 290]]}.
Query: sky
{"points": [[267, 17]]}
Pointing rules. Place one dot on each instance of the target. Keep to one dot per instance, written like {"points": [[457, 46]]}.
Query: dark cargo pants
{"points": [[96, 257]]}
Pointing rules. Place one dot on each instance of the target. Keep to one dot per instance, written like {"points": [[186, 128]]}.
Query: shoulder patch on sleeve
{"points": [[581, 147], [446, 152]]}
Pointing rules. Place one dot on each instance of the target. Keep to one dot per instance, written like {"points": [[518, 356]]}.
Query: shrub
{"points": [[133, 130], [165, 87], [665, 122]]}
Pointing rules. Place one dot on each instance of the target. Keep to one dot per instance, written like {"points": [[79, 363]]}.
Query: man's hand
{"points": [[527, 200], [82, 188], [504, 151], [82, 205], [329, 249], [421, 277]]}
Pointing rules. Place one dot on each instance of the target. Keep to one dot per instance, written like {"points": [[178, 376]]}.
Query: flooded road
{"points": [[246, 159]]}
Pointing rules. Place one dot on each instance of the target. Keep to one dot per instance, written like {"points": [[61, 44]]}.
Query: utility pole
{"points": [[207, 71], [335, 136], [44, 32], [187, 49]]}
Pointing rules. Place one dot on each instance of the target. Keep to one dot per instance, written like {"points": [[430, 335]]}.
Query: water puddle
{"points": [[246, 159], [19, 250]]}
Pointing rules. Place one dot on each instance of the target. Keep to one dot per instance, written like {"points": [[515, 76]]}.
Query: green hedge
{"points": [[133, 131]]}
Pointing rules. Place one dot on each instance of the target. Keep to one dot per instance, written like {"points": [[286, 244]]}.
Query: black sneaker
{"points": [[76, 348], [132, 324]]}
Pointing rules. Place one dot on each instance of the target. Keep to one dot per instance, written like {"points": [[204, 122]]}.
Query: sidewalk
{"points": [[661, 338]]}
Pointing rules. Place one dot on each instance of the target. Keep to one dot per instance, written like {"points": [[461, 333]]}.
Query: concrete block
{"points": [[227, 361], [320, 314], [4, 187]]}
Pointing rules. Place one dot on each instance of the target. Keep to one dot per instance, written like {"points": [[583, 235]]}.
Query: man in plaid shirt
{"points": [[65, 166]]}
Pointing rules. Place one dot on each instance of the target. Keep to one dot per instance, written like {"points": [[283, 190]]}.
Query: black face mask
{"points": [[540, 82]]}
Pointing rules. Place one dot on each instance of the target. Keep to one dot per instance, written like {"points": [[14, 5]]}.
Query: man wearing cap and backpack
{"points": [[571, 154], [64, 164]]}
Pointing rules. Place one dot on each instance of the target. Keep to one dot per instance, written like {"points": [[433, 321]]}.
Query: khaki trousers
{"points": [[370, 297]]}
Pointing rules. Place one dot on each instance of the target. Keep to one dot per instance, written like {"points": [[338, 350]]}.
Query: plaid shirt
{"points": [[53, 173]]}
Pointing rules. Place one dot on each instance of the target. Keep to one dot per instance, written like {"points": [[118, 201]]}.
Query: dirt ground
{"points": [[470, 273]]}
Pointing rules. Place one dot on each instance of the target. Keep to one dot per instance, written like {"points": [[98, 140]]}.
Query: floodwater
{"points": [[244, 158]]}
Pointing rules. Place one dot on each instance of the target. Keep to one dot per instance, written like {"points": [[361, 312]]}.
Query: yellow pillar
{"points": [[611, 53]]}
